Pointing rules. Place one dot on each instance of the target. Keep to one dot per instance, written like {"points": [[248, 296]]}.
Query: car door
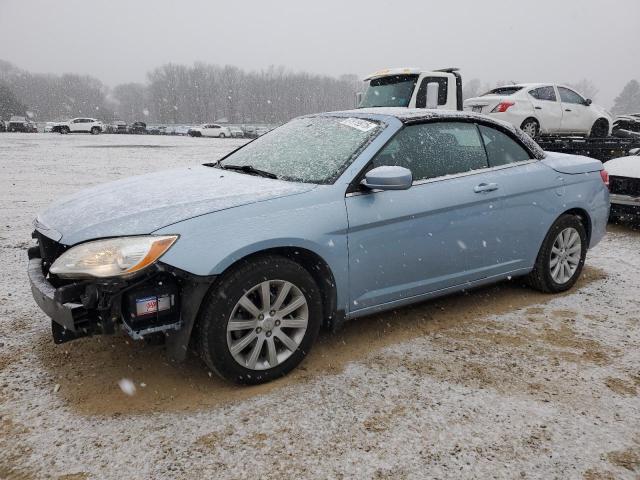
{"points": [[547, 108], [531, 191], [76, 125], [439, 233], [576, 115]]}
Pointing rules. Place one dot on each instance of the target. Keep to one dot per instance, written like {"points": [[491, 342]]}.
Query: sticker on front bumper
{"points": [[148, 305]]}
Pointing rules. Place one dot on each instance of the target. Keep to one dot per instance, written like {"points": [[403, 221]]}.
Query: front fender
{"points": [[315, 221]]}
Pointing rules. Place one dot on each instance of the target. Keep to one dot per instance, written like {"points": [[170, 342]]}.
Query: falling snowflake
{"points": [[127, 386]]}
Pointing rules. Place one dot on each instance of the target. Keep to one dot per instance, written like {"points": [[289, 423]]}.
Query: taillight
{"points": [[605, 177], [503, 106]]}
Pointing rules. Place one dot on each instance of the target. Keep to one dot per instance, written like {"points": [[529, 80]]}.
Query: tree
{"points": [[131, 101], [9, 104], [53, 97], [629, 99], [471, 88], [585, 87]]}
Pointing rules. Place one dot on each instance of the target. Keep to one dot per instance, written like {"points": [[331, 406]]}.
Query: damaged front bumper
{"points": [[67, 317], [160, 300]]}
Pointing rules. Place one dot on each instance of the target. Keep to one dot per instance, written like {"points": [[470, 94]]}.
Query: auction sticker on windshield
{"points": [[359, 124]]}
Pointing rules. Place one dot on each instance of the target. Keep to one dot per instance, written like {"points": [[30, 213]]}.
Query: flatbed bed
{"points": [[606, 148]]}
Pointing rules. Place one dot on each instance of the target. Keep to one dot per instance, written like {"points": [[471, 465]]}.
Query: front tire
{"points": [[600, 128], [531, 127], [222, 135], [95, 131], [561, 257], [260, 320]]}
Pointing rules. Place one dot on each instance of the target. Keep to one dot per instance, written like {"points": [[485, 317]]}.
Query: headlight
{"points": [[114, 257]]}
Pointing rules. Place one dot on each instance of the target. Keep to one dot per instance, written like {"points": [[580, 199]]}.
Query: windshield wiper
{"points": [[248, 169]]}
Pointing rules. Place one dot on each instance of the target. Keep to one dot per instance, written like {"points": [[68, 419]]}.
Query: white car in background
{"points": [[210, 130], [624, 185], [79, 125], [544, 108]]}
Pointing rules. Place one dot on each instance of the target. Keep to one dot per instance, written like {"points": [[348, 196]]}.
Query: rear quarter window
{"points": [[501, 148]]}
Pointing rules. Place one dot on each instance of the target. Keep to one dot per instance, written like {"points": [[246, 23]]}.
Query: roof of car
{"points": [[410, 115]]}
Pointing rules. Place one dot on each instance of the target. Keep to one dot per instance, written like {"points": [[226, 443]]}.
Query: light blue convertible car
{"points": [[329, 217]]}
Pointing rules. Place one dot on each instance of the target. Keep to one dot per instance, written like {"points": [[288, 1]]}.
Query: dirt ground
{"points": [[499, 382]]}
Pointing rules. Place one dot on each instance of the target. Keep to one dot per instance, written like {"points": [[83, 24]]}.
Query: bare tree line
{"points": [[177, 93]]}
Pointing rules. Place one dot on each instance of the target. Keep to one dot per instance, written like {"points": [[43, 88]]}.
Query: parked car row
{"points": [[221, 131]]}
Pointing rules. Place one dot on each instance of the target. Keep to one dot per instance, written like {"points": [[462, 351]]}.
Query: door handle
{"points": [[538, 108], [567, 109], [485, 187]]}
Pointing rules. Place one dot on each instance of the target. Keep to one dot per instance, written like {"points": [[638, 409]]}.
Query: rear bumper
{"points": [[64, 314]]}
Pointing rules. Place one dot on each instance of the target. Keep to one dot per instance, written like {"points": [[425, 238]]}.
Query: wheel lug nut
{"points": [[268, 334], [277, 323], [272, 313], [260, 317], [258, 330]]}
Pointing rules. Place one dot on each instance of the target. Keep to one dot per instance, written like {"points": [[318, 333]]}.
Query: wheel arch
{"points": [[317, 267], [312, 262], [601, 119], [584, 217], [530, 117]]}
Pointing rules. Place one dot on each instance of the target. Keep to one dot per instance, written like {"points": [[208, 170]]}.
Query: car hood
{"points": [[142, 204], [624, 167]]}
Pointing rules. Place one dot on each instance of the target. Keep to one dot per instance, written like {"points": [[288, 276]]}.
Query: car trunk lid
{"points": [[571, 164], [484, 104]]}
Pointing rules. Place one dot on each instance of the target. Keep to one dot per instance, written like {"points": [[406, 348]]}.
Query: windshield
{"points": [[391, 91], [310, 150]]}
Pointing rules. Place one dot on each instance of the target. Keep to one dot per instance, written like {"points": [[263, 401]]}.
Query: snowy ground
{"points": [[502, 382]]}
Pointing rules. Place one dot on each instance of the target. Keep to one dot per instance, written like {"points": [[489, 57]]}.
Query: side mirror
{"points": [[388, 178], [587, 102], [432, 95], [359, 96]]}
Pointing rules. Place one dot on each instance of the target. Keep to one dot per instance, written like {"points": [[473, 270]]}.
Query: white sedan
{"points": [[210, 130], [544, 108], [624, 185]]}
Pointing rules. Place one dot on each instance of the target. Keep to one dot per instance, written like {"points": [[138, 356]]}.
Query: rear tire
{"points": [[531, 127], [64, 130], [561, 256], [600, 128], [278, 339], [222, 135]]}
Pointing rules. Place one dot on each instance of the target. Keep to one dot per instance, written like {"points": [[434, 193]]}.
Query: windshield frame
{"points": [[380, 127]]}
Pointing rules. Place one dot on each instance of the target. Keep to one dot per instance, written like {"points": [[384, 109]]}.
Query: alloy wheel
{"points": [[565, 255], [267, 324]]}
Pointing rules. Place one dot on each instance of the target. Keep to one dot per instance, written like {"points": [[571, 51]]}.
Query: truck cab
{"points": [[409, 88]]}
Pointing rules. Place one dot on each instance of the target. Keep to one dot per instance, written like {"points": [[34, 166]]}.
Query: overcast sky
{"points": [[541, 40]]}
